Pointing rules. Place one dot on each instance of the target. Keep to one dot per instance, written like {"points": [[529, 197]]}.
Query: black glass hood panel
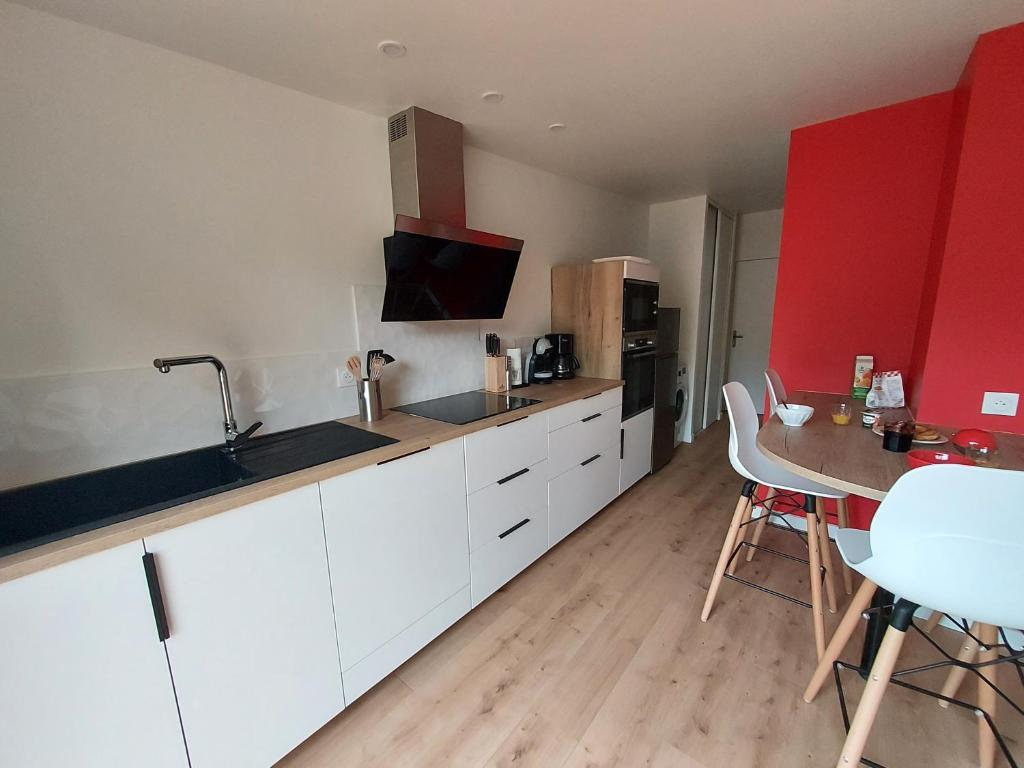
{"points": [[44, 512], [438, 272]]}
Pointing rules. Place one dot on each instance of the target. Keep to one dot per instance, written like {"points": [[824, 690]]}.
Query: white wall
{"points": [[759, 235], [153, 204], [676, 244]]}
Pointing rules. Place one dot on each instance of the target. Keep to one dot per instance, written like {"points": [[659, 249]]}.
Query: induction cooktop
{"points": [[466, 407]]}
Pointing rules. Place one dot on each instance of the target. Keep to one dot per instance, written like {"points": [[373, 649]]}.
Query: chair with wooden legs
{"points": [[776, 394], [947, 537], [758, 469]]}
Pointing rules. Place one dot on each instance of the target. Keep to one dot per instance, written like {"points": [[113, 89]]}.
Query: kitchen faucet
{"points": [[232, 437]]}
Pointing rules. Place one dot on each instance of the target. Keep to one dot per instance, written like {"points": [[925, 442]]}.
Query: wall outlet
{"points": [[1000, 403], [344, 377]]}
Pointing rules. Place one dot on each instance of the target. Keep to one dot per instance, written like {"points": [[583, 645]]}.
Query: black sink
{"points": [[36, 514]]}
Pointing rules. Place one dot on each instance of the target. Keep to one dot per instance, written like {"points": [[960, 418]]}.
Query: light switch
{"points": [[1000, 403]]}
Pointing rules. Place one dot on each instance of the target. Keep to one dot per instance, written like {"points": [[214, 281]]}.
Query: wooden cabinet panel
{"points": [[83, 675], [252, 641]]}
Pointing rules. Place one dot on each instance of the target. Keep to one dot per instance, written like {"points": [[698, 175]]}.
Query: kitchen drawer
{"points": [[572, 412], [570, 445], [580, 493], [501, 505], [498, 562], [494, 453]]}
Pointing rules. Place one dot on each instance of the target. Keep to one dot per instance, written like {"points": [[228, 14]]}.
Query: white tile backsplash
{"points": [[52, 426]]}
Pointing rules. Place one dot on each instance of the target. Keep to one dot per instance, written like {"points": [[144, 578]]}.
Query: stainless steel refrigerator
{"points": [[665, 380]]}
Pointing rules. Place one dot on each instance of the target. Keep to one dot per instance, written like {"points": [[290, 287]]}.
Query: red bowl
{"points": [[977, 438], [921, 457]]}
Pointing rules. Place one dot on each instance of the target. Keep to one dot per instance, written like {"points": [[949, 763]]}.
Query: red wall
{"points": [[976, 339], [861, 194]]}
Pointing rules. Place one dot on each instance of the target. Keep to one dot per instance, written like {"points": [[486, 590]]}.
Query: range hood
{"points": [[437, 269]]}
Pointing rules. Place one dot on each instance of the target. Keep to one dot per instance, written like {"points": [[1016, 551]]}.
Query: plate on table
{"points": [[924, 434]]}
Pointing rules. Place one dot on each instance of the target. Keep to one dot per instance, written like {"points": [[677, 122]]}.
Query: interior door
{"points": [[718, 332], [754, 289]]}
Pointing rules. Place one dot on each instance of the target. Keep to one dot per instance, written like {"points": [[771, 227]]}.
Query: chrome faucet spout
{"points": [[231, 433]]}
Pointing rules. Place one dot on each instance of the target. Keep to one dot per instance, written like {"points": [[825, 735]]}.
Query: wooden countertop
{"points": [[851, 458], [412, 432]]}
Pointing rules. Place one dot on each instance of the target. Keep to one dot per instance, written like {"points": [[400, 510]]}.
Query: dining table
{"points": [[851, 458]]}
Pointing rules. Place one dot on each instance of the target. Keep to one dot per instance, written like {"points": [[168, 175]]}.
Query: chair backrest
{"points": [[744, 455], [776, 389], [952, 538]]}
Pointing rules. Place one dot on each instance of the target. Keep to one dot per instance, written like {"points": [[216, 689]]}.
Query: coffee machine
{"points": [[540, 363], [565, 364]]}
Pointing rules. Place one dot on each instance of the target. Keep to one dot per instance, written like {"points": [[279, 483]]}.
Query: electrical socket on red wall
{"points": [[1000, 403]]}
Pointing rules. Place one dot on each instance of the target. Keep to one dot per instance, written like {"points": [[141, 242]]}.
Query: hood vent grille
{"points": [[398, 127]]}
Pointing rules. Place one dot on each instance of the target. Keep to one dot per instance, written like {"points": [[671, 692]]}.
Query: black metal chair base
{"points": [[1014, 659]]}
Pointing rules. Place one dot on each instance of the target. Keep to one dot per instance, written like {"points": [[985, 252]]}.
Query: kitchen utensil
{"points": [[353, 367], [492, 344], [922, 457], [794, 415], [376, 368]]}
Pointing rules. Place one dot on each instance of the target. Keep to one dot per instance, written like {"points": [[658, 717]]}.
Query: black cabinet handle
{"points": [[622, 443], [595, 457], [396, 458], [514, 528], [156, 596], [513, 476], [593, 395], [512, 421], [591, 417]]}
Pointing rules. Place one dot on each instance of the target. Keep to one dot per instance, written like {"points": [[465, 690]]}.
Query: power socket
{"points": [[344, 377], [1000, 403]]}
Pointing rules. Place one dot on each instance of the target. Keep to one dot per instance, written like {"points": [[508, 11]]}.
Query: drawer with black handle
{"points": [[496, 563], [504, 503]]}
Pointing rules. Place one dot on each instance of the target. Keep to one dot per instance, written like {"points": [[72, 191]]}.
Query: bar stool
{"points": [[777, 394], [758, 469], [944, 536]]}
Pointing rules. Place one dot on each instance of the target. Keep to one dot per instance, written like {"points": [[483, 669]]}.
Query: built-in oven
{"points": [[638, 363], [639, 306]]}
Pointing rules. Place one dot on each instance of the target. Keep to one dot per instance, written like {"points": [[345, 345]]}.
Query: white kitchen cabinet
{"points": [[83, 674], [252, 643], [570, 445], [577, 495], [637, 433], [566, 414], [398, 541], [497, 452], [502, 559]]}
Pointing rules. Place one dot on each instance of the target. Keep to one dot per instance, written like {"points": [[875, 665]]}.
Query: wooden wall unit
{"points": [[586, 300]]}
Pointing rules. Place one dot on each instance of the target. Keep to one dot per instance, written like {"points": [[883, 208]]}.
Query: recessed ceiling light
{"points": [[556, 127], [492, 97], [391, 48]]}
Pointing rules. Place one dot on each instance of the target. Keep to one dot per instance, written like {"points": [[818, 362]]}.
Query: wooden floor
{"points": [[596, 656]]}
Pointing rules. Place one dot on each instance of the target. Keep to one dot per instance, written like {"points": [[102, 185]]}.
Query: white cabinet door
{"points": [[83, 674], [496, 453], [577, 495], [398, 539], [252, 643], [636, 448]]}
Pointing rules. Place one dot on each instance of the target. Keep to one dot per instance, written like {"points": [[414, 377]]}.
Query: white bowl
{"points": [[794, 415]]}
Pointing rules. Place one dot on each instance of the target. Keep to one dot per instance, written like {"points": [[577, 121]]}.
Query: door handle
{"points": [[736, 336], [156, 596]]}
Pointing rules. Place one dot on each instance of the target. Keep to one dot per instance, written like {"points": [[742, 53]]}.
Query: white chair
{"points": [[776, 394], [948, 537], [776, 389], [757, 469]]}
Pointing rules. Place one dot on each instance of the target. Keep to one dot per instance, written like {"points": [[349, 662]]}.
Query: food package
{"points": [[862, 368], [886, 390]]}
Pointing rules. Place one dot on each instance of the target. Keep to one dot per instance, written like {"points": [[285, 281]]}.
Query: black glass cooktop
{"points": [[466, 407]]}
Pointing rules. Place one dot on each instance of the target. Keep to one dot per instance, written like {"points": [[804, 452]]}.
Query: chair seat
{"points": [[854, 545], [767, 472]]}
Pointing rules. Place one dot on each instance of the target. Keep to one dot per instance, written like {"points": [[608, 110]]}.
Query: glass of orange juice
{"points": [[842, 413]]}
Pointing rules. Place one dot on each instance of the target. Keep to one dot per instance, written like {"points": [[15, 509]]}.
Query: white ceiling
{"points": [[663, 99]]}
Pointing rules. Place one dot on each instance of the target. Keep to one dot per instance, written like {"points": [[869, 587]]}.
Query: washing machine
{"points": [[682, 403]]}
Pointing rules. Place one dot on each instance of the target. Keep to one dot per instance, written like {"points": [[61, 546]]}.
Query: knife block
{"points": [[495, 379]]}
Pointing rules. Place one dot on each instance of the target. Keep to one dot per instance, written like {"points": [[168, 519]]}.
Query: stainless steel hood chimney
{"points": [[436, 268]]}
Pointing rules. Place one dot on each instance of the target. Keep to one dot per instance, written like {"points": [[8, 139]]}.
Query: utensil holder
{"points": [[370, 405]]}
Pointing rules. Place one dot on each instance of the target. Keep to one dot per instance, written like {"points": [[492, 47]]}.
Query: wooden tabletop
{"points": [[850, 458], [412, 433]]}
